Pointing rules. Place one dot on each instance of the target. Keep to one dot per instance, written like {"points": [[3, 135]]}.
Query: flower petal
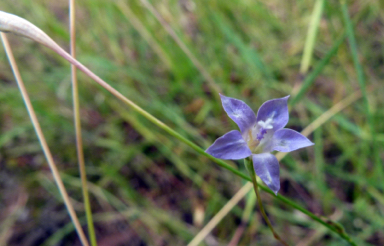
{"points": [[286, 140], [275, 110], [267, 168], [231, 146], [239, 112]]}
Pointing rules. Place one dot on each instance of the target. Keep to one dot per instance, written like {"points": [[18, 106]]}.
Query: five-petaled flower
{"points": [[258, 136]]}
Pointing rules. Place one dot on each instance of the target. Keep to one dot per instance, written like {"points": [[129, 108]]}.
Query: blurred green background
{"points": [[146, 187]]}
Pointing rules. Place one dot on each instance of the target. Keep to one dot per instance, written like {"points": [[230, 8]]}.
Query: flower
{"points": [[258, 136]]}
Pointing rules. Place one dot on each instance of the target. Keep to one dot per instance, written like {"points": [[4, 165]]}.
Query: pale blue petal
{"points": [[286, 140], [275, 110], [267, 168], [231, 146], [239, 112]]}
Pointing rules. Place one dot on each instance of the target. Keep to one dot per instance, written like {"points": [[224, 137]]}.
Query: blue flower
{"points": [[258, 136]]}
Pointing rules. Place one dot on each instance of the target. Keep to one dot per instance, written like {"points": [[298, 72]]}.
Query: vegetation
{"points": [[172, 58]]}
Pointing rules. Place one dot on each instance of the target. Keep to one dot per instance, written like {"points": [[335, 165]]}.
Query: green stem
{"points": [[249, 166]]}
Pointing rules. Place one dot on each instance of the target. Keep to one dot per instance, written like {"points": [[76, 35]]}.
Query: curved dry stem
{"points": [[19, 26], [43, 142]]}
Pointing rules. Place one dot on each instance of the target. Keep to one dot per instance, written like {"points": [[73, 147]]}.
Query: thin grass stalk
{"points": [[249, 166], [15, 24], [378, 170], [77, 123], [43, 142], [311, 36]]}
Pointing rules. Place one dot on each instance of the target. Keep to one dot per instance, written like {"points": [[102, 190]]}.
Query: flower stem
{"points": [[249, 166]]}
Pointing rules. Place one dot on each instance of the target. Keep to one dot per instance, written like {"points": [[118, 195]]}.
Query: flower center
{"points": [[256, 134], [264, 127]]}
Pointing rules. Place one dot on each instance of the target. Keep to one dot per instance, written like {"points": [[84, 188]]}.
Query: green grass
{"points": [[145, 186]]}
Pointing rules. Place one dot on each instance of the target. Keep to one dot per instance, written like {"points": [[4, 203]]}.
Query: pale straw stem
{"points": [[77, 123], [42, 141]]}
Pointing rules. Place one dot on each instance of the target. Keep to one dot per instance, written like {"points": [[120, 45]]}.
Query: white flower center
{"points": [[257, 136]]}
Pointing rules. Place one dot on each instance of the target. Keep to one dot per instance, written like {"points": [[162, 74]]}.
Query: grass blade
{"points": [[311, 36], [310, 79]]}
